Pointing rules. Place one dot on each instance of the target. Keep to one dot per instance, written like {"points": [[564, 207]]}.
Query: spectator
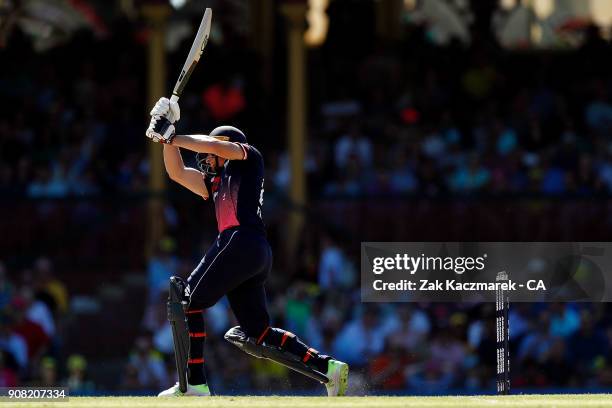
{"points": [[8, 377], [536, 344], [598, 113], [361, 338], [413, 328], [353, 146], [162, 265], [447, 351], [38, 312], [12, 343], [518, 318], [565, 320], [49, 284], [387, 370], [587, 344], [470, 177], [403, 178], [151, 372], [48, 373], [130, 380], [77, 375], [35, 337], [335, 270], [553, 178]]}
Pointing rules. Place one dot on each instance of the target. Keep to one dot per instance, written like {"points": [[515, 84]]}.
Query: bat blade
{"points": [[199, 43]]}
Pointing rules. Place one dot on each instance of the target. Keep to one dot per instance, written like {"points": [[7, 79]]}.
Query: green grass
{"points": [[574, 401]]}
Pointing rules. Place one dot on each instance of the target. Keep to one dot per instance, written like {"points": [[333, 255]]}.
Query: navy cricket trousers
{"points": [[236, 265]]}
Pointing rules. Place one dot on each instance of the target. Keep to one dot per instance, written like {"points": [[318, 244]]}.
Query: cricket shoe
{"points": [[200, 390], [337, 373]]}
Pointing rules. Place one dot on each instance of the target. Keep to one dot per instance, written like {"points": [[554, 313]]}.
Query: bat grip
{"points": [[174, 98]]}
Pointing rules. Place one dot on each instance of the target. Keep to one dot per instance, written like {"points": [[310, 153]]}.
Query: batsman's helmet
{"points": [[234, 134]]}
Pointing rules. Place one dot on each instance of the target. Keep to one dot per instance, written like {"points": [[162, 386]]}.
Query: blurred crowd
{"points": [[402, 348], [34, 304], [406, 118], [417, 119], [403, 117]]}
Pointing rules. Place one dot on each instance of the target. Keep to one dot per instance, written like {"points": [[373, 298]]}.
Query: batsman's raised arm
{"points": [[209, 144], [189, 178], [161, 129]]}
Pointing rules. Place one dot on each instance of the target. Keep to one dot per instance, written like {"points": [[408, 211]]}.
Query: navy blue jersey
{"points": [[238, 190]]}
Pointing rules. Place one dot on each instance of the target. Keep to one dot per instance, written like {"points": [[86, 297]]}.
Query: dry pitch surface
{"points": [[574, 401]]}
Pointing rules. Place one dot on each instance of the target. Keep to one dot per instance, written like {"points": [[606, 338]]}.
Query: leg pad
{"points": [[180, 332], [249, 345]]}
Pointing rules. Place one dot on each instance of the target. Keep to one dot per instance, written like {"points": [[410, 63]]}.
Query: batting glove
{"points": [[160, 130], [168, 109]]}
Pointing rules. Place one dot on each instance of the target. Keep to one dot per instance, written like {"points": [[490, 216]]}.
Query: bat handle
{"points": [[174, 98]]}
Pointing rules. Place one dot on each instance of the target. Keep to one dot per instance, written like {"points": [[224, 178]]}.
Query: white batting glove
{"points": [[168, 109], [160, 130]]}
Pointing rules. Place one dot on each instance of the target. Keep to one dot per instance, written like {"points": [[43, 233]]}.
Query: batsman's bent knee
{"points": [[249, 345]]}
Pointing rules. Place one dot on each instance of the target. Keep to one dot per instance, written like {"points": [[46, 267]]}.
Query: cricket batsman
{"points": [[236, 265]]}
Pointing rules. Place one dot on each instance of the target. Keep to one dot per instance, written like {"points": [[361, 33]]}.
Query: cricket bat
{"points": [[199, 43]]}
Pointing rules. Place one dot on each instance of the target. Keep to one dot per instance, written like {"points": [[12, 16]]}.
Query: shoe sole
{"points": [[182, 395], [343, 379], [340, 380], [174, 395]]}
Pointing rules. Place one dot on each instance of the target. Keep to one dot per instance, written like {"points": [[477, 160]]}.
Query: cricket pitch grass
{"points": [[555, 400]]}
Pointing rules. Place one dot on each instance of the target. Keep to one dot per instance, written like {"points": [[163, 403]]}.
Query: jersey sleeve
{"points": [[247, 150]]}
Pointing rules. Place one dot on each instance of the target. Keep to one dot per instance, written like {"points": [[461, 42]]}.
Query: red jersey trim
{"points": [[244, 150]]}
